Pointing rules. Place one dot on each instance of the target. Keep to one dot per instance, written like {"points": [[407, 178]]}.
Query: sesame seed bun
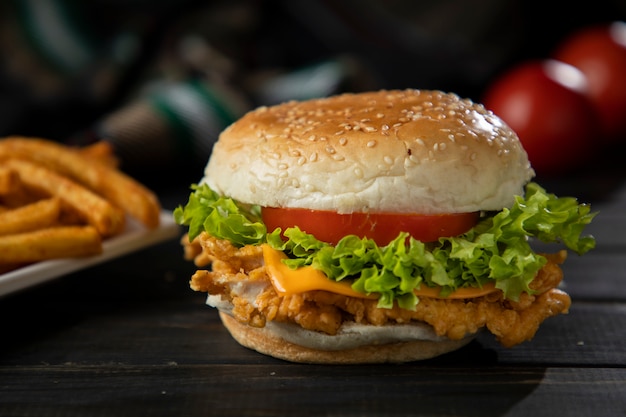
{"points": [[403, 151]]}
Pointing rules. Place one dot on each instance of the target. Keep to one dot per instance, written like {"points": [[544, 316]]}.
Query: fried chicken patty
{"points": [[238, 276]]}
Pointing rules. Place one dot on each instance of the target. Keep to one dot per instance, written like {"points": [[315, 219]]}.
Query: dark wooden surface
{"points": [[129, 338]]}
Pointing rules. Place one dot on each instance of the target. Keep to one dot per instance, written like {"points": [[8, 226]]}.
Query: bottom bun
{"points": [[264, 341]]}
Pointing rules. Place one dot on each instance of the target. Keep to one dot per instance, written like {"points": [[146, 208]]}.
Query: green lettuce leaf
{"points": [[221, 217], [496, 250]]}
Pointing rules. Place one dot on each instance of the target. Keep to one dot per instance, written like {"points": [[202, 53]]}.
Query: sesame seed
{"points": [[343, 141], [283, 166], [371, 143], [313, 157], [442, 146], [330, 149], [380, 115], [358, 172], [421, 142], [301, 161], [388, 160], [473, 156]]}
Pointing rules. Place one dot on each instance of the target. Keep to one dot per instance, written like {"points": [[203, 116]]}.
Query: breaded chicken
{"points": [[239, 276]]}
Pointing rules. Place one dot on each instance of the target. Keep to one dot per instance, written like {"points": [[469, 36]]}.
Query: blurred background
{"points": [[160, 79]]}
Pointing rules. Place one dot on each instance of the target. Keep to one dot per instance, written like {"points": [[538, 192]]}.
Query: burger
{"points": [[386, 226]]}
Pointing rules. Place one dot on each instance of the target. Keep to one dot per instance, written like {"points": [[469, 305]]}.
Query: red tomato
{"points": [[544, 102], [600, 53], [330, 227]]}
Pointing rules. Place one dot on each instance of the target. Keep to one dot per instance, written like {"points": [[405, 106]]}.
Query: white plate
{"points": [[135, 237]]}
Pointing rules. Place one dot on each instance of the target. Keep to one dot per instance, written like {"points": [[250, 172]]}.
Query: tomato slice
{"points": [[329, 226]]}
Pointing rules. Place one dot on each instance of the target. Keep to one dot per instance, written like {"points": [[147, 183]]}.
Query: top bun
{"points": [[410, 151]]}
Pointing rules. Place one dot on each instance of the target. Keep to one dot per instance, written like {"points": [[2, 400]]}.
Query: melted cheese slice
{"points": [[287, 281]]}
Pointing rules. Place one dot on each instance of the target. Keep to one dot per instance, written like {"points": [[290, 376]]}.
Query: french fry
{"points": [[98, 212], [58, 201], [50, 243], [122, 190], [21, 197], [101, 152], [9, 180], [38, 215]]}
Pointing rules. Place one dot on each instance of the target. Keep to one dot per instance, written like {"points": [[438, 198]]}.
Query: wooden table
{"points": [[129, 338]]}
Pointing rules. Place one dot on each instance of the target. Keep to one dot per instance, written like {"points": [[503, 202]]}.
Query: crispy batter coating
{"points": [[233, 271]]}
